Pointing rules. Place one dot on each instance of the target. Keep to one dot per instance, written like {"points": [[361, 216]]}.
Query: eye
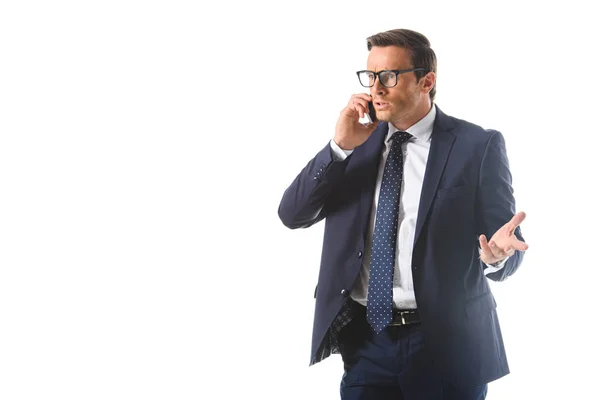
{"points": [[388, 78]]}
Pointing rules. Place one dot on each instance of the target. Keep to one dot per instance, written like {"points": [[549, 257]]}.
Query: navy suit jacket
{"points": [[466, 192]]}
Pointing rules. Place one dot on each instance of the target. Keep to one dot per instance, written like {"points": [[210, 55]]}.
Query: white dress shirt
{"points": [[415, 153]]}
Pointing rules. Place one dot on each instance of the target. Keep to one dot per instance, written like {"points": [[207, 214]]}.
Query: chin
{"points": [[383, 117]]}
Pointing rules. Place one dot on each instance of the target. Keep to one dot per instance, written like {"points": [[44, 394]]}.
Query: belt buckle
{"points": [[402, 317], [402, 320]]}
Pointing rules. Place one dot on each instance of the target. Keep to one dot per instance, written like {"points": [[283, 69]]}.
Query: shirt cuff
{"points": [[339, 154], [495, 267]]}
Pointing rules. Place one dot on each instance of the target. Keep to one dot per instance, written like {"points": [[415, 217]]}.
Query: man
{"points": [[409, 205]]}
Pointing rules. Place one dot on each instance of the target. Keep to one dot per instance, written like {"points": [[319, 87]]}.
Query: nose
{"points": [[377, 88]]}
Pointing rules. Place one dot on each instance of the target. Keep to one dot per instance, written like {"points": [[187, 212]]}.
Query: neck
{"points": [[406, 121]]}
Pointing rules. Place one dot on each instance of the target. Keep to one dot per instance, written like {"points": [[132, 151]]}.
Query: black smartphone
{"points": [[372, 116]]}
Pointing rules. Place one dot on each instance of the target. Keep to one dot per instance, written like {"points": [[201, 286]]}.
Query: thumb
{"points": [[485, 247]]}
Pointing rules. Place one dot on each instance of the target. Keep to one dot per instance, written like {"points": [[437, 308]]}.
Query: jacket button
{"points": [[345, 293], [359, 255]]}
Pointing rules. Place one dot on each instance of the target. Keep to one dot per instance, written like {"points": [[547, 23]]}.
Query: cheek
{"points": [[399, 96]]}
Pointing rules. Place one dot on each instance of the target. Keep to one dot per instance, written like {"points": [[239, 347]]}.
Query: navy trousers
{"points": [[392, 365]]}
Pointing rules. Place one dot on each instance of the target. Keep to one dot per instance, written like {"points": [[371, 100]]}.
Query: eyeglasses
{"points": [[387, 77]]}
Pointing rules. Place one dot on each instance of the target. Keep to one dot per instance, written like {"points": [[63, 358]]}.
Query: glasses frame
{"points": [[377, 76]]}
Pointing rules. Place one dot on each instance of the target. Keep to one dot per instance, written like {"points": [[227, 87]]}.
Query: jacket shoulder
{"points": [[471, 134], [471, 130]]}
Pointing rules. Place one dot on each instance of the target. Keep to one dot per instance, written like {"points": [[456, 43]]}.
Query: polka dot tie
{"points": [[383, 254]]}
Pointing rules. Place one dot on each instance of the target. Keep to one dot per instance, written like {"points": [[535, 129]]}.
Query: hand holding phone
{"points": [[350, 130]]}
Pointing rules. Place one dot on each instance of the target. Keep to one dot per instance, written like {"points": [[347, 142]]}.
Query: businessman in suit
{"points": [[419, 211]]}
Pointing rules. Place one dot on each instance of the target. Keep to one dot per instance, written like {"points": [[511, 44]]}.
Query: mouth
{"points": [[379, 105]]}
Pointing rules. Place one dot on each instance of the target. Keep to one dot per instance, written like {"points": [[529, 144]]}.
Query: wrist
{"points": [[495, 262], [342, 144]]}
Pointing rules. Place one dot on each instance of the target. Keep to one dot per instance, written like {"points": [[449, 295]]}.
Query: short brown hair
{"points": [[422, 55]]}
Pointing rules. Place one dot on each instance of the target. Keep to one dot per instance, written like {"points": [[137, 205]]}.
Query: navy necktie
{"points": [[383, 254]]}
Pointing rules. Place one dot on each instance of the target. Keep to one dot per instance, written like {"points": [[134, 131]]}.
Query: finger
{"points": [[519, 245], [496, 250], [363, 96], [360, 110], [362, 106], [353, 110], [515, 221], [485, 247]]}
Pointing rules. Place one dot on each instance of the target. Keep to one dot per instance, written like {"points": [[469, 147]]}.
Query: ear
{"points": [[428, 81]]}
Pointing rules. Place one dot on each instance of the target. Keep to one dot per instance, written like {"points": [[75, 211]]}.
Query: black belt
{"points": [[405, 317], [399, 317]]}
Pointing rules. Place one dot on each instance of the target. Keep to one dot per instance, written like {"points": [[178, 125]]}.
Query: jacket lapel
{"points": [[441, 143]]}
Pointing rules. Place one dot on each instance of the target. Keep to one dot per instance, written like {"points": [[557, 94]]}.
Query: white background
{"points": [[145, 147]]}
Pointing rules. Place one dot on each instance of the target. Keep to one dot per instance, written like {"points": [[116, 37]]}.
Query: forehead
{"points": [[388, 57]]}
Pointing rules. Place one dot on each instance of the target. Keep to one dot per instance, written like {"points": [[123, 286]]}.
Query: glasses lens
{"points": [[366, 79], [388, 79]]}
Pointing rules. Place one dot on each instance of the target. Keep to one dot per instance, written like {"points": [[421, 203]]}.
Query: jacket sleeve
{"points": [[495, 200], [304, 201]]}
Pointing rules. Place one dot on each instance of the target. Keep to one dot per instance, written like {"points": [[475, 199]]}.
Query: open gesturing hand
{"points": [[504, 242]]}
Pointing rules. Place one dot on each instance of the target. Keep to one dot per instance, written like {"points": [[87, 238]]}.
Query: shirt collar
{"points": [[421, 130]]}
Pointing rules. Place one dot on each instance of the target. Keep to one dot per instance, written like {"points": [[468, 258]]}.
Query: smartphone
{"points": [[371, 116]]}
